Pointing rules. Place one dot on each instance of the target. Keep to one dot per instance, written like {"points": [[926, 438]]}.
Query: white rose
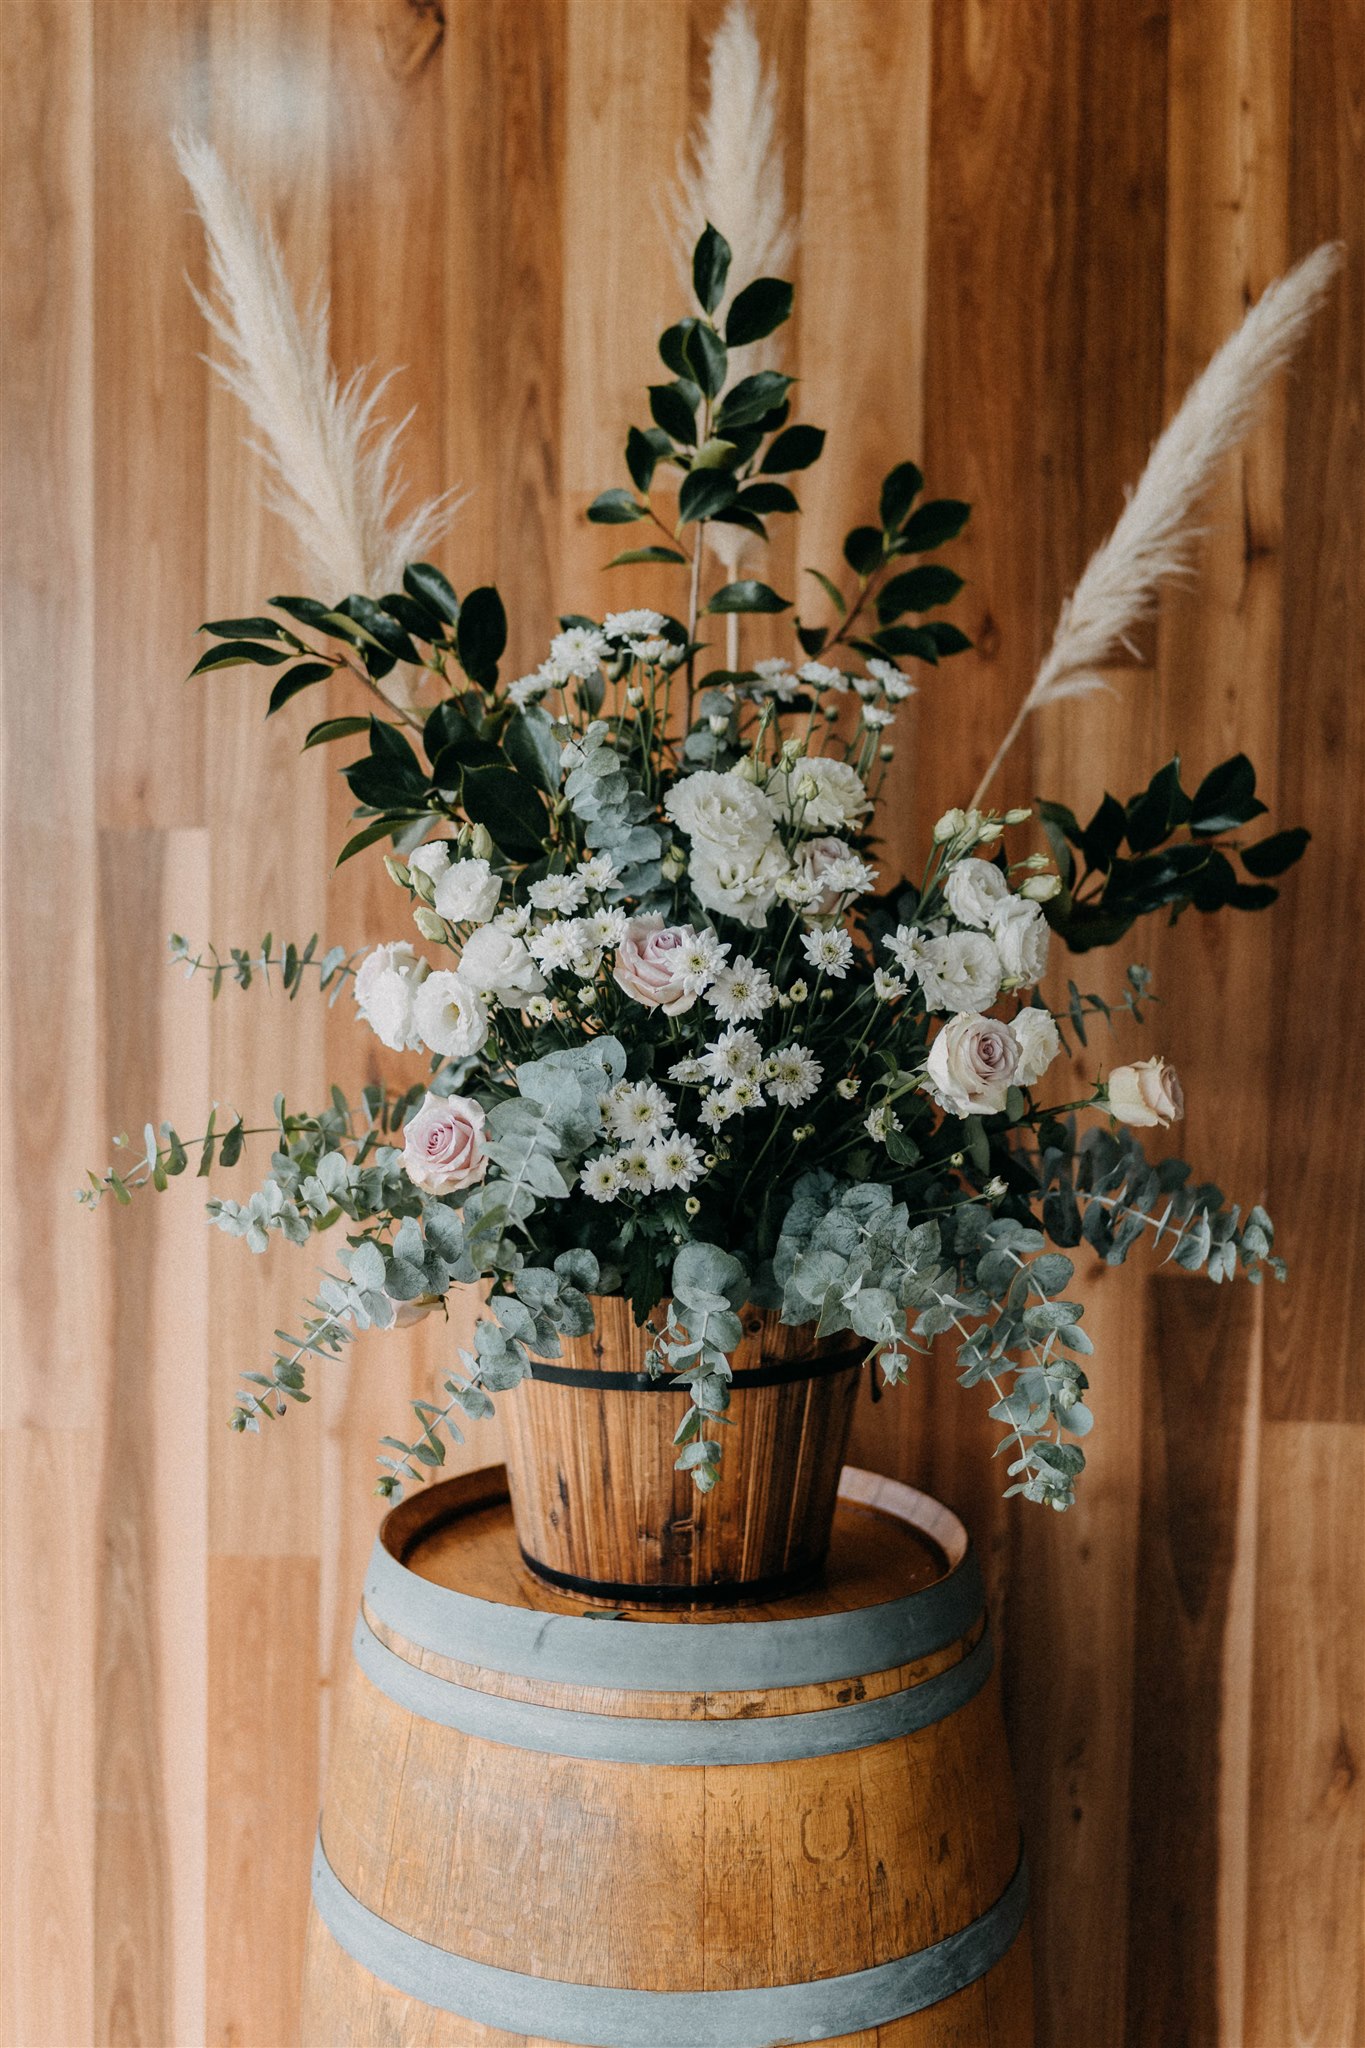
{"points": [[724, 814], [1148, 1092], [971, 1065], [1039, 1043], [497, 963], [443, 1146], [745, 889], [467, 892], [960, 972], [431, 860], [975, 889], [449, 1015], [821, 794], [385, 984], [1021, 938]]}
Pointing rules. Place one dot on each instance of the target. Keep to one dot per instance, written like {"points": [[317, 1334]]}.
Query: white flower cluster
{"points": [[739, 865], [1004, 945], [652, 1155], [580, 651], [738, 1076]]}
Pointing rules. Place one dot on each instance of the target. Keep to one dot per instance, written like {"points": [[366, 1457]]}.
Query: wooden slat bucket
{"points": [[784, 1823], [601, 1510]]}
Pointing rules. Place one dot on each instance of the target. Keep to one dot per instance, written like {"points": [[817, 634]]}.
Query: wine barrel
{"points": [[781, 1823], [600, 1509]]}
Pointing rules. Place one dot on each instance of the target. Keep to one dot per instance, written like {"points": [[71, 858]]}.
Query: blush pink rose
{"points": [[649, 965], [1146, 1093], [443, 1145]]}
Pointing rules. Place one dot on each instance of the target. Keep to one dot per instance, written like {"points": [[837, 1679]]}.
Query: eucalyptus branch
{"points": [[333, 968]]}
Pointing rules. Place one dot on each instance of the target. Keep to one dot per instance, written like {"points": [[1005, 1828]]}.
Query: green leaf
{"points": [[249, 629], [481, 634], [863, 549], [335, 729], [509, 807], [646, 555], [748, 597], [615, 507], [913, 640], [762, 498], [533, 749], [1226, 797], [707, 362], [759, 309], [238, 654], [831, 590], [295, 679], [381, 626], [427, 584], [939, 520], [794, 448], [705, 492], [413, 617], [710, 267], [902, 486], [752, 398], [917, 590], [673, 345], [643, 453], [1272, 856], [378, 828], [306, 609], [674, 407], [947, 638]]}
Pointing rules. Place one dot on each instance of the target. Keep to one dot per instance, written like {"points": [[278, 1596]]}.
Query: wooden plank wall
{"points": [[1026, 223]]}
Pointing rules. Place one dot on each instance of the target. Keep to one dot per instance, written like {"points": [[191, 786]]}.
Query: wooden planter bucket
{"points": [[549, 1827], [600, 1510]]}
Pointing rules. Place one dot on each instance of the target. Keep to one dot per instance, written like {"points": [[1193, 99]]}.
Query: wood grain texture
{"points": [[1024, 226]]}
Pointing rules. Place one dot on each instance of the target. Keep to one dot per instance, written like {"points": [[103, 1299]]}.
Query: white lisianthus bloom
{"points": [[386, 982], [723, 814], [793, 1075], [467, 892], [600, 1179], [637, 625], [741, 992], [675, 1161], [1021, 936], [450, 1015], [1039, 1043], [558, 892], [821, 794], [975, 890], [497, 963], [578, 651], [959, 972], [972, 1064], [741, 887], [431, 860], [1146, 1093], [830, 951], [443, 1144]]}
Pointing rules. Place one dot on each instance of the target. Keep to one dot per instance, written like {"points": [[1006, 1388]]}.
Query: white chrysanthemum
{"points": [[880, 1122], [598, 871], [555, 944], [892, 681], [689, 1071], [876, 717], [775, 679], [675, 1161], [558, 892], [638, 1112], [741, 1095], [527, 690], [578, 651], [821, 676], [850, 876], [652, 652], [713, 1112], [515, 919], [831, 951], [634, 1170], [540, 1009], [793, 1075], [603, 928], [637, 625], [741, 993], [906, 946], [887, 987], [735, 1056], [386, 982], [700, 959], [960, 972], [450, 1016], [600, 1179]]}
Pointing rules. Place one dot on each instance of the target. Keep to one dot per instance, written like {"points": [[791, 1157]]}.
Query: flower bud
{"points": [[989, 829], [718, 726], [421, 885], [673, 866], [886, 753], [1019, 815], [798, 991], [635, 695], [1036, 861], [995, 1188], [748, 770], [397, 871], [481, 843], [949, 825], [692, 1206], [829, 713], [429, 924], [1042, 888]]}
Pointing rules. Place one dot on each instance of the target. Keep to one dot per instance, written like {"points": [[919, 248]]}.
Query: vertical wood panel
{"points": [[1024, 227]]}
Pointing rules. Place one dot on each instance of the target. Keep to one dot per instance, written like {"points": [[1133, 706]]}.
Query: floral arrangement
{"points": [[683, 1037]]}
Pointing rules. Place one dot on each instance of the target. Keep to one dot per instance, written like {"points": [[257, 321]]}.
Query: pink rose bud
{"points": [[649, 965], [1148, 1092], [443, 1145]]}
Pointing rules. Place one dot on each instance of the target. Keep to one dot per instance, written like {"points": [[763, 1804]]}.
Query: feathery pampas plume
{"points": [[330, 456], [1154, 536], [732, 174]]}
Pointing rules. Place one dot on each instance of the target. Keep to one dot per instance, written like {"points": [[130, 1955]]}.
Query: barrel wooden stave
{"points": [[592, 1471], [666, 1878]]}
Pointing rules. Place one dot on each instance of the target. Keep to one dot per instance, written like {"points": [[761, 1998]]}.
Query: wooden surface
{"points": [[593, 1471], [1026, 223], [673, 1877]]}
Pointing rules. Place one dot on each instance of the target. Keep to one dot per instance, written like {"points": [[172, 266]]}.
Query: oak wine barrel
{"points": [[789, 1821]]}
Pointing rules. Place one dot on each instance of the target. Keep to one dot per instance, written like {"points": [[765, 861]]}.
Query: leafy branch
{"points": [[333, 968]]}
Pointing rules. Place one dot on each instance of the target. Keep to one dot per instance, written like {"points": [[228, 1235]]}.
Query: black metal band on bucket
{"points": [[715, 1593], [606, 2016], [776, 1372], [631, 1739]]}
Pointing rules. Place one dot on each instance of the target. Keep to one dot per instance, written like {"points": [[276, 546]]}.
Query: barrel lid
{"points": [[901, 1582]]}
